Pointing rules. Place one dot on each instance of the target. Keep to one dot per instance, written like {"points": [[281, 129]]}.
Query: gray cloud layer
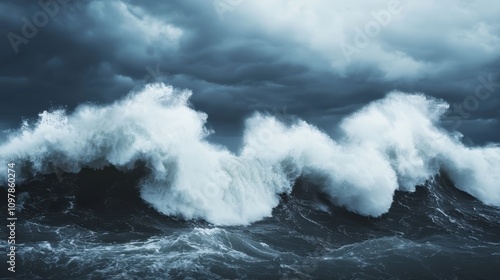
{"points": [[318, 59]]}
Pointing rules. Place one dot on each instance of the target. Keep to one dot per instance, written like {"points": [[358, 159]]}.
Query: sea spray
{"points": [[393, 143]]}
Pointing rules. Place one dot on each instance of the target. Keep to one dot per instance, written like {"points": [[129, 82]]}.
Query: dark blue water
{"points": [[93, 225]]}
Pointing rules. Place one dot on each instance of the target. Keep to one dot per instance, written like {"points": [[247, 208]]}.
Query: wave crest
{"points": [[393, 143]]}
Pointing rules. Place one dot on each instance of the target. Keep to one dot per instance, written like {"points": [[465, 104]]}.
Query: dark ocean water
{"points": [[93, 225], [135, 190]]}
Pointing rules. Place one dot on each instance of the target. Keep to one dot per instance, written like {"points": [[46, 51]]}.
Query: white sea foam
{"points": [[394, 143]]}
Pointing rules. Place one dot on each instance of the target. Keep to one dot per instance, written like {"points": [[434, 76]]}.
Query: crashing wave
{"points": [[391, 144]]}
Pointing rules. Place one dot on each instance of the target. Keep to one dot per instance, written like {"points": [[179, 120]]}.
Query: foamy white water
{"points": [[394, 143]]}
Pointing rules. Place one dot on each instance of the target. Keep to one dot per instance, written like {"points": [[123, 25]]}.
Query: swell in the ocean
{"points": [[391, 144]]}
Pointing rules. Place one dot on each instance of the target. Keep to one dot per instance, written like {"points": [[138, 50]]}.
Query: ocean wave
{"points": [[392, 144]]}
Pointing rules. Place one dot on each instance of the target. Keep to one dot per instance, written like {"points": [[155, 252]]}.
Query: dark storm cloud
{"points": [[239, 57]]}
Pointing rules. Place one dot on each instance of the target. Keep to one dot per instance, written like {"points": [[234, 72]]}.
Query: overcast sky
{"points": [[316, 59]]}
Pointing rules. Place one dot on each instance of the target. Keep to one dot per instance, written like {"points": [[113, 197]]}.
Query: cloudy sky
{"points": [[316, 59]]}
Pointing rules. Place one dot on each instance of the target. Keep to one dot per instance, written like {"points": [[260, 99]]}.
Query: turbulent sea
{"points": [[135, 190]]}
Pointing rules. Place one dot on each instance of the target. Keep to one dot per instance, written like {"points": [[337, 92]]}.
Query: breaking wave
{"points": [[392, 144]]}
